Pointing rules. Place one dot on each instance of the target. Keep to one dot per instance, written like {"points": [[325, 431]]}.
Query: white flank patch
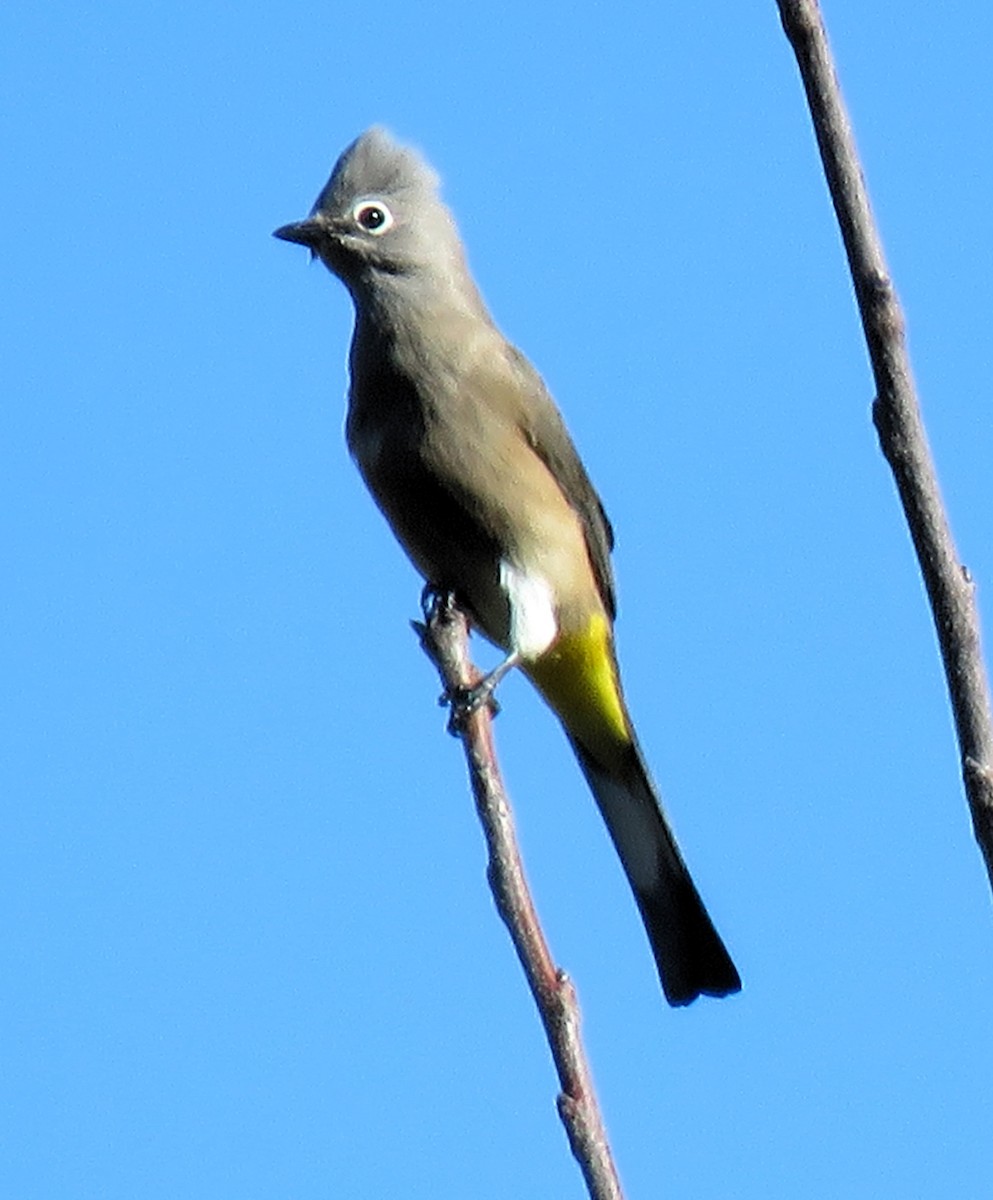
{"points": [[532, 610]]}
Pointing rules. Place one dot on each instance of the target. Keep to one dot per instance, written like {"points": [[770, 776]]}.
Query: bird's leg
{"points": [[435, 602], [465, 701]]}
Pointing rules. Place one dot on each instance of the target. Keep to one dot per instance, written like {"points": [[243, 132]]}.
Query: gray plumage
{"points": [[470, 461]]}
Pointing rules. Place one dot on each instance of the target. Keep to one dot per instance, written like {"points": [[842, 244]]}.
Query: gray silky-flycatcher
{"points": [[470, 461]]}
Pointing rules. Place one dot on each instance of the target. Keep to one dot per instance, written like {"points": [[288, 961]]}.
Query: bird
{"points": [[467, 456]]}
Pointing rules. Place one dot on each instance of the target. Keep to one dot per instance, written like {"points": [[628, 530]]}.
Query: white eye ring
{"points": [[372, 216]]}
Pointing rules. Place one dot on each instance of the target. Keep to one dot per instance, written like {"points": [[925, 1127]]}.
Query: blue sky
{"points": [[246, 947]]}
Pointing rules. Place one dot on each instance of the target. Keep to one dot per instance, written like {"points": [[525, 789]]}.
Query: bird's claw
{"points": [[436, 602], [464, 701]]}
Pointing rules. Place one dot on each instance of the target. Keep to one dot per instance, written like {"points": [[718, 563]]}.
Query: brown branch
{"points": [[897, 417], [445, 639]]}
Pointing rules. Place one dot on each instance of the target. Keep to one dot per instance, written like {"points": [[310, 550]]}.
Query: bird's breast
{"points": [[367, 444]]}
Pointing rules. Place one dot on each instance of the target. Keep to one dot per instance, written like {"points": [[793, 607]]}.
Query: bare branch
{"points": [[445, 639], [897, 417]]}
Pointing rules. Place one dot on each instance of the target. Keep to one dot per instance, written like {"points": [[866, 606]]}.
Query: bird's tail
{"points": [[689, 953], [579, 680]]}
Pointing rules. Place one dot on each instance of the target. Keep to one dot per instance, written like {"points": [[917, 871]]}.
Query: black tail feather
{"points": [[689, 953]]}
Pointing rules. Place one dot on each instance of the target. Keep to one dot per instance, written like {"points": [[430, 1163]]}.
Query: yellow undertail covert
{"points": [[578, 677]]}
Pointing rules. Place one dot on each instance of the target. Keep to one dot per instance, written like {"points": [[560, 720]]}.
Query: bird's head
{"points": [[378, 215]]}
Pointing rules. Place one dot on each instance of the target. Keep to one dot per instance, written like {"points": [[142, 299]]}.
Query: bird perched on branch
{"points": [[470, 461]]}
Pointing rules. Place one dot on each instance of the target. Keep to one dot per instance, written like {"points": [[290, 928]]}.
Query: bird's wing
{"points": [[542, 425]]}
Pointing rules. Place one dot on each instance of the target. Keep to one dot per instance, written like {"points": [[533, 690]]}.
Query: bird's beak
{"points": [[305, 233]]}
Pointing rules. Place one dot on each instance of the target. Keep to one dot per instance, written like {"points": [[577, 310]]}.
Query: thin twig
{"points": [[897, 418], [445, 639]]}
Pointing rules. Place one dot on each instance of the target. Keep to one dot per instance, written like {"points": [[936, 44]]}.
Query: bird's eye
{"points": [[373, 216]]}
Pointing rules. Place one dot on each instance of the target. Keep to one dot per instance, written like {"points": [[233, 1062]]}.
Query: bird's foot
{"points": [[436, 602], [462, 702]]}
